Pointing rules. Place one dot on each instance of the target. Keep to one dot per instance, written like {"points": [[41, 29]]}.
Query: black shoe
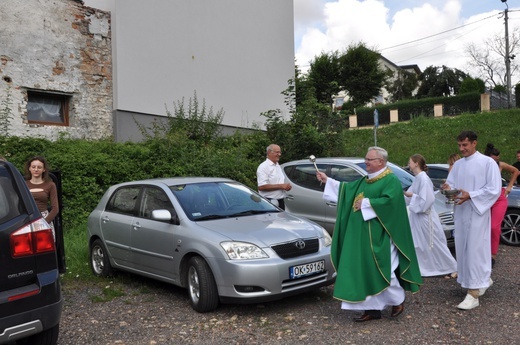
{"points": [[368, 316], [397, 310], [492, 262]]}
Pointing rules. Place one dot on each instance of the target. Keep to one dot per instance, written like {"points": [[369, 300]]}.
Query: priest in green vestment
{"points": [[372, 246]]}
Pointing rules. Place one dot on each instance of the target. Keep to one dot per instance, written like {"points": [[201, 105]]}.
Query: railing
{"points": [[498, 100]]}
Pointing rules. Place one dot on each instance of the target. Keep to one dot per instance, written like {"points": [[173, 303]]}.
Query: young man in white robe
{"points": [[478, 178]]}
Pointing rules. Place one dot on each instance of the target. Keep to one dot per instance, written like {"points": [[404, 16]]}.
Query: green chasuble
{"points": [[360, 249]]}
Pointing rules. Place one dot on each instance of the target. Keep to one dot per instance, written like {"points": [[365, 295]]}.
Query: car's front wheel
{"points": [[511, 228], [99, 261], [201, 286]]}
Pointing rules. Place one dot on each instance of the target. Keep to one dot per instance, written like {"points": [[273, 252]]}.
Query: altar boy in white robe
{"points": [[478, 178]]}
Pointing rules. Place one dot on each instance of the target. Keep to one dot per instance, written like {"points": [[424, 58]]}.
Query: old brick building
{"points": [[55, 69]]}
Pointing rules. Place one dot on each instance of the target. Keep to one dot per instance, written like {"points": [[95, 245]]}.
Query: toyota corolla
{"points": [[216, 237]]}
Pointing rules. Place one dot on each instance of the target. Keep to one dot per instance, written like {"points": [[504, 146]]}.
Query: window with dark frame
{"points": [[48, 108]]}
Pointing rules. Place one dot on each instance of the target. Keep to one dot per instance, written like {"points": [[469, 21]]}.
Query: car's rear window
{"points": [[9, 200]]}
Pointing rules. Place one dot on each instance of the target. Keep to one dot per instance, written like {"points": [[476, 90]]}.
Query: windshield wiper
{"points": [[250, 212], [211, 216]]}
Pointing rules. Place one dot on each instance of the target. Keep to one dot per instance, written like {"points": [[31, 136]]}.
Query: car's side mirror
{"points": [[166, 216]]}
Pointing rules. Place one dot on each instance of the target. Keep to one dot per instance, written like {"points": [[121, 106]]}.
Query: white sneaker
{"points": [[482, 291], [469, 302]]}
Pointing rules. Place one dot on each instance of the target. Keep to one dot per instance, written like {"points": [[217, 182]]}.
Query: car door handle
{"points": [[136, 226], [289, 197], [105, 219], [331, 203]]}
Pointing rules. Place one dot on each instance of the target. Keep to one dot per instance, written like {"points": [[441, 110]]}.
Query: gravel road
{"points": [[152, 313]]}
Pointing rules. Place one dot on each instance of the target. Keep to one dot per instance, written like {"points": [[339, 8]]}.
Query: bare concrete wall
{"points": [[57, 46], [237, 55]]}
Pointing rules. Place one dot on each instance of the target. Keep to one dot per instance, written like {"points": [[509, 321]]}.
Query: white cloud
{"points": [[334, 25]]}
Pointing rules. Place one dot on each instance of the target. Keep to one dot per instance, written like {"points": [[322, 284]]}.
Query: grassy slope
{"points": [[435, 139]]}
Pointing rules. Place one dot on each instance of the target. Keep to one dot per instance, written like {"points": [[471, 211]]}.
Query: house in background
{"points": [[384, 96], [104, 71]]}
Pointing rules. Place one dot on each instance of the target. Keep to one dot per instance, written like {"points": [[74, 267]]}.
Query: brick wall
{"points": [[60, 47]]}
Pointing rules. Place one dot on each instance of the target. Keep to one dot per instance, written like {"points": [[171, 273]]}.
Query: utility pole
{"points": [[507, 57]]}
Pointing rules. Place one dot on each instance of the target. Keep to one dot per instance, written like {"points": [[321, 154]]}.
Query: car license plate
{"points": [[306, 269]]}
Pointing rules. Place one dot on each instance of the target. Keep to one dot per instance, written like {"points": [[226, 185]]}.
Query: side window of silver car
{"points": [[305, 175], [124, 200], [155, 199], [344, 173]]}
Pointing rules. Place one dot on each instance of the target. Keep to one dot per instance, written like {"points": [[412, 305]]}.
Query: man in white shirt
{"points": [[478, 178], [270, 177]]}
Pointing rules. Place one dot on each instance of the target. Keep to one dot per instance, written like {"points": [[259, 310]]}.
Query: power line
{"points": [[454, 39], [440, 33]]}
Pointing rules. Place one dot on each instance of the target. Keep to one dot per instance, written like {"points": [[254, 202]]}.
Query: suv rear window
{"points": [[10, 207]]}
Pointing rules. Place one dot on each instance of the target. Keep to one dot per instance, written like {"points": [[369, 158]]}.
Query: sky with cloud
{"points": [[407, 32]]}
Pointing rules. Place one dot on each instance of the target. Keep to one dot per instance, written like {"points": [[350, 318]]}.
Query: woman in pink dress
{"points": [[498, 210]]}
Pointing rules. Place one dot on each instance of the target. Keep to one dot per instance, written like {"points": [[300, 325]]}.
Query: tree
{"points": [[401, 86], [490, 62], [500, 88], [356, 71], [300, 89], [323, 76], [440, 82], [472, 85], [360, 75]]}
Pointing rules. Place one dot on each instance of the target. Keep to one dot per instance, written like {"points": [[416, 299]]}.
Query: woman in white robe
{"points": [[428, 235]]}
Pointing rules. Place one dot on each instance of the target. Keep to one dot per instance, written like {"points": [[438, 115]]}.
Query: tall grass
{"points": [[76, 254]]}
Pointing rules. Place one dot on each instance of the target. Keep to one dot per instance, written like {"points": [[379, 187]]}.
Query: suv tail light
{"points": [[34, 238]]}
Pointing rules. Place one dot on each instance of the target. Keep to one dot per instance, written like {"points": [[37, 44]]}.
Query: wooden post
{"points": [[352, 121], [485, 102], [438, 110], [394, 115]]}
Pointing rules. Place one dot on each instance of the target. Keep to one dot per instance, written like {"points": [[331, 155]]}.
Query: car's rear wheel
{"points": [[99, 261], [511, 228], [201, 286], [47, 337]]}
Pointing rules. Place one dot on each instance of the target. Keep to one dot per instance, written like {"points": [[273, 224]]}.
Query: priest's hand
{"points": [[322, 177], [462, 197]]}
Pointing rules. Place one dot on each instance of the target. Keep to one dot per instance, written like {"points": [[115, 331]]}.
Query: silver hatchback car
{"points": [[214, 236], [306, 196]]}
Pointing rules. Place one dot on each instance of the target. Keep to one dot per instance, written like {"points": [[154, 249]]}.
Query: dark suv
{"points": [[30, 295]]}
